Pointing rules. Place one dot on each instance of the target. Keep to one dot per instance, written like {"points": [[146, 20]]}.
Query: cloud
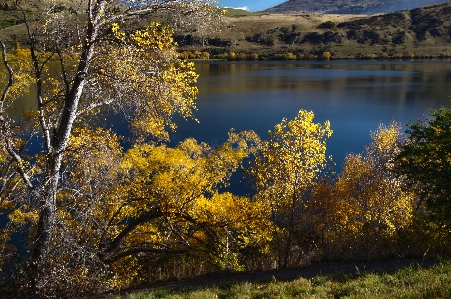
{"points": [[243, 8]]}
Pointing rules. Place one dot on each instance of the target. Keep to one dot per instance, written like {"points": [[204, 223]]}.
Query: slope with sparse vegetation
{"points": [[418, 33]]}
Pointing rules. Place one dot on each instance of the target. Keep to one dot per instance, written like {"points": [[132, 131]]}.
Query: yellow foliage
{"points": [[253, 56], [75, 185], [232, 56], [326, 55], [22, 81], [284, 169], [21, 217], [235, 214], [159, 198], [237, 223], [290, 161], [154, 81], [368, 194]]}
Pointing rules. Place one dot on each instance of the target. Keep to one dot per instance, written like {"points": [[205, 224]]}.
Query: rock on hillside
{"points": [[349, 6]]}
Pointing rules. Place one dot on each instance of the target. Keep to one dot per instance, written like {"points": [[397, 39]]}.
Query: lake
{"points": [[356, 96]]}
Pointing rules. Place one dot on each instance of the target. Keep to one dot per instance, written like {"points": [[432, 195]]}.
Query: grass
{"points": [[233, 12], [266, 34], [411, 282]]}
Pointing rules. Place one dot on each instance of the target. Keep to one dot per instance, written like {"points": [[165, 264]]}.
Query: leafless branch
{"points": [[4, 124]]}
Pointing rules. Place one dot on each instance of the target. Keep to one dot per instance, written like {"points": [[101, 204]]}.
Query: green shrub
{"points": [[328, 25]]}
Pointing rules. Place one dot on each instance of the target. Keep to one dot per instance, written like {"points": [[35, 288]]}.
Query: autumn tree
{"points": [[284, 171], [425, 161], [135, 71], [371, 203], [13, 84], [149, 206], [173, 203]]}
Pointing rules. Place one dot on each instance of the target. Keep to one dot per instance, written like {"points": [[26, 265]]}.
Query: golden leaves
{"points": [[22, 216], [180, 186], [368, 194], [143, 74], [289, 162], [284, 169], [22, 81], [179, 175]]}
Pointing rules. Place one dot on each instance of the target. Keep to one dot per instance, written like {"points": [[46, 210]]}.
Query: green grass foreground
{"points": [[411, 282]]}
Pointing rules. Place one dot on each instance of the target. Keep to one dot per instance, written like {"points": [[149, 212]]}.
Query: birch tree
{"points": [[284, 170], [101, 61]]}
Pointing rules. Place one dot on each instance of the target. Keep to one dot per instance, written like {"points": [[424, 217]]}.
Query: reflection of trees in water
{"points": [[421, 83], [430, 79]]}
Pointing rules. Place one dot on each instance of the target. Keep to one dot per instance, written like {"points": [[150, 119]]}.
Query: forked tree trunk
{"points": [[49, 185]]}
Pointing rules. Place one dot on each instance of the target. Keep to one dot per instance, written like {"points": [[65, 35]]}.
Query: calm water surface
{"points": [[356, 96]]}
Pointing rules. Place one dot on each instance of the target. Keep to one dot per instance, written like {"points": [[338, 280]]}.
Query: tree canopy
{"points": [[287, 165], [93, 211], [425, 161], [98, 53], [370, 200]]}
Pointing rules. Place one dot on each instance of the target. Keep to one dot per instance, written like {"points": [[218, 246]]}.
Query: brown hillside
{"points": [[423, 32], [349, 6]]}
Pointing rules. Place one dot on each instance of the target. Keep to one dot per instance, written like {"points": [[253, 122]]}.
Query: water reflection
{"points": [[354, 95]]}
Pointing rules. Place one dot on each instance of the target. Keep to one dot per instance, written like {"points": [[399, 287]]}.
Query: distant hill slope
{"points": [[349, 6], [421, 32]]}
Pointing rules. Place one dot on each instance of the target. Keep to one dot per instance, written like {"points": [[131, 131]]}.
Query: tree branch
{"points": [[117, 242], [136, 250], [4, 129]]}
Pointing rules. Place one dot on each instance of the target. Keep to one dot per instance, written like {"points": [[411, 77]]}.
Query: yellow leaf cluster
{"points": [[147, 80], [368, 194], [291, 160], [22, 81], [177, 191]]}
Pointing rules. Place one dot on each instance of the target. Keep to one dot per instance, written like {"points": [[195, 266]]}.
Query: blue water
{"points": [[356, 96]]}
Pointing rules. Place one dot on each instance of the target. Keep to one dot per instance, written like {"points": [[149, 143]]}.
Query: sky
{"points": [[251, 5]]}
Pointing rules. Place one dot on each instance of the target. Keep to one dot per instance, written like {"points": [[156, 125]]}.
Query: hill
{"points": [[349, 6], [421, 32]]}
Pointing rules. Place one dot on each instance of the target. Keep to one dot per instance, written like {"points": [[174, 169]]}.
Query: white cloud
{"points": [[243, 8]]}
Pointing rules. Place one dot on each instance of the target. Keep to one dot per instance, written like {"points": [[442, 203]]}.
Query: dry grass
{"points": [[240, 28]]}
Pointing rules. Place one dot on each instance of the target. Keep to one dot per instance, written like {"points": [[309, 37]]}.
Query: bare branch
{"points": [[136, 250], [4, 126], [117, 242], [10, 80]]}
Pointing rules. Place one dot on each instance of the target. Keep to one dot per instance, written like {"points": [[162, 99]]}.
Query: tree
{"points": [[328, 25], [151, 205], [14, 84], [284, 170], [128, 70], [425, 161], [371, 203]]}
